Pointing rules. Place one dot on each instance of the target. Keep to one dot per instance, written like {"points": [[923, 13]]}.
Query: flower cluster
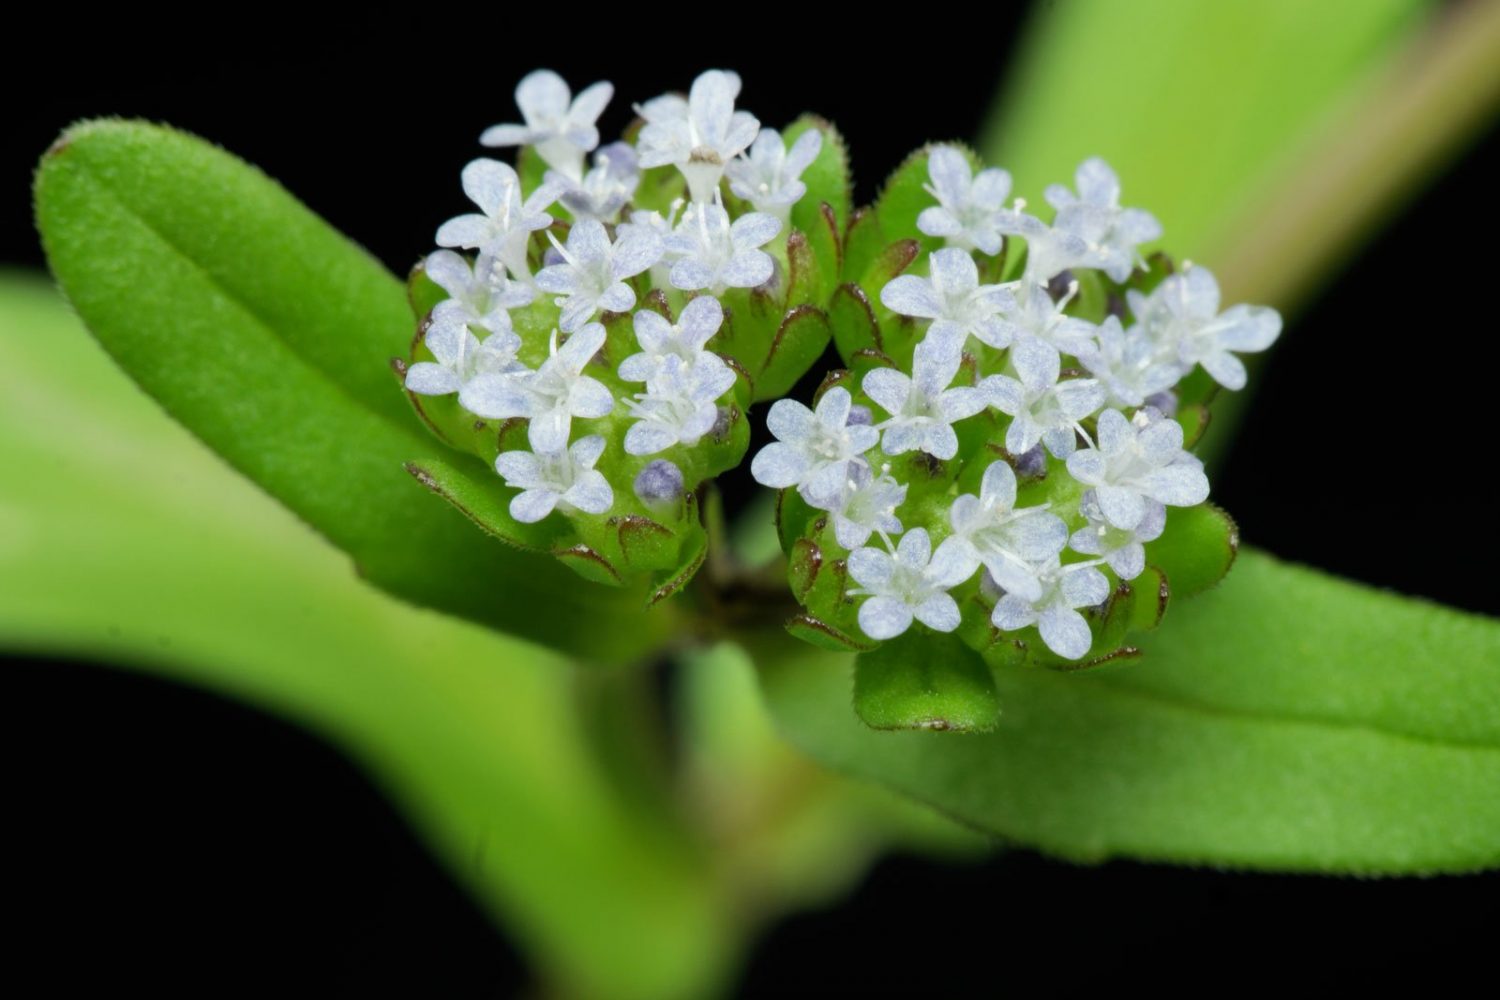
{"points": [[1015, 407], [1060, 382], [579, 301]]}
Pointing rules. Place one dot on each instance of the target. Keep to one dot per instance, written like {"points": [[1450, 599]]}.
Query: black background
{"points": [[163, 838]]}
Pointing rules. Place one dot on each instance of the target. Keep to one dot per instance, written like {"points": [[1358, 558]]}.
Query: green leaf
{"points": [[268, 334], [124, 540], [1284, 720], [1201, 100], [922, 681]]}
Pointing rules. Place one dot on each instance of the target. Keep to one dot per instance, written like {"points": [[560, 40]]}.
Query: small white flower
{"points": [[865, 505], [1182, 316], [1122, 549], [564, 478], [560, 126], [812, 449], [711, 254], [591, 277], [1064, 589], [680, 404], [1129, 364], [1007, 540], [699, 135], [461, 357], [911, 582], [970, 212], [770, 176], [1136, 462], [479, 296], [605, 189], [549, 397], [1094, 214], [660, 340], [662, 226], [1043, 409], [1034, 315], [507, 222], [923, 408], [952, 297]]}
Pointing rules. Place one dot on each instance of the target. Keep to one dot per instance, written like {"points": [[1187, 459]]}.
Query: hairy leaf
{"points": [[268, 334], [1285, 720]]}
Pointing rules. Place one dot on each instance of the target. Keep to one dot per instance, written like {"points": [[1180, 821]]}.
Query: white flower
{"points": [[507, 221], [1094, 214], [952, 297], [699, 135], [461, 357], [564, 478], [549, 397], [591, 277], [660, 340], [1064, 588], [712, 255], [812, 449], [559, 125], [1043, 409], [1034, 314], [662, 226], [1182, 316], [1122, 549], [923, 408], [679, 406], [1008, 541], [866, 504], [605, 189], [1129, 364], [912, 581], [479, 296], [970, 212], [770, 177], [1136, 462]]}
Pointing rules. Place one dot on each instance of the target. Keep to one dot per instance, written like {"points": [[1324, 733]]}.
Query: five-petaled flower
{"points": [[910, 581], [559, 126], [813, 448], [549, 397], [550, 479], [1138, 461]]}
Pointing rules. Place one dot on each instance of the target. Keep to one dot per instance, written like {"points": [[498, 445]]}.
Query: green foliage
{"points": [[267, 334], [924, 682], [1285, 720]]}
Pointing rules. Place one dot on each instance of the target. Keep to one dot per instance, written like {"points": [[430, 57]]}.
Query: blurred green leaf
{"points": [[1192, 103], [123, 540], [268, 335], [1285, 720]]}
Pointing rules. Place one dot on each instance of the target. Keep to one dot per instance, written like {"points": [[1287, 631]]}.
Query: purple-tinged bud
{"points": [[659, 482]]}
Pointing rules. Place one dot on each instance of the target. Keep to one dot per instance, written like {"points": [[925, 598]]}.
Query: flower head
{"points": [[1122, 549], [922, 407], [711, 254], [1136, 462], [952, 297], [910, 582], [1182, 317], [559, 125], [866, 504], [970, 212], [679, 406], [1041, 407], [460, 357], [605, 189], [1063, 590], [549, 397], [547, 480], [1007, 540], [505, 221], [660, 339], [813, 448], [1094, 214], [481, 295], [770, 177], [699, 135], [591, 276]]}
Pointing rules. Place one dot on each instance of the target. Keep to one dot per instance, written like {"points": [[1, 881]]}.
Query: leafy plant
{"points": [[1282, 720]]}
